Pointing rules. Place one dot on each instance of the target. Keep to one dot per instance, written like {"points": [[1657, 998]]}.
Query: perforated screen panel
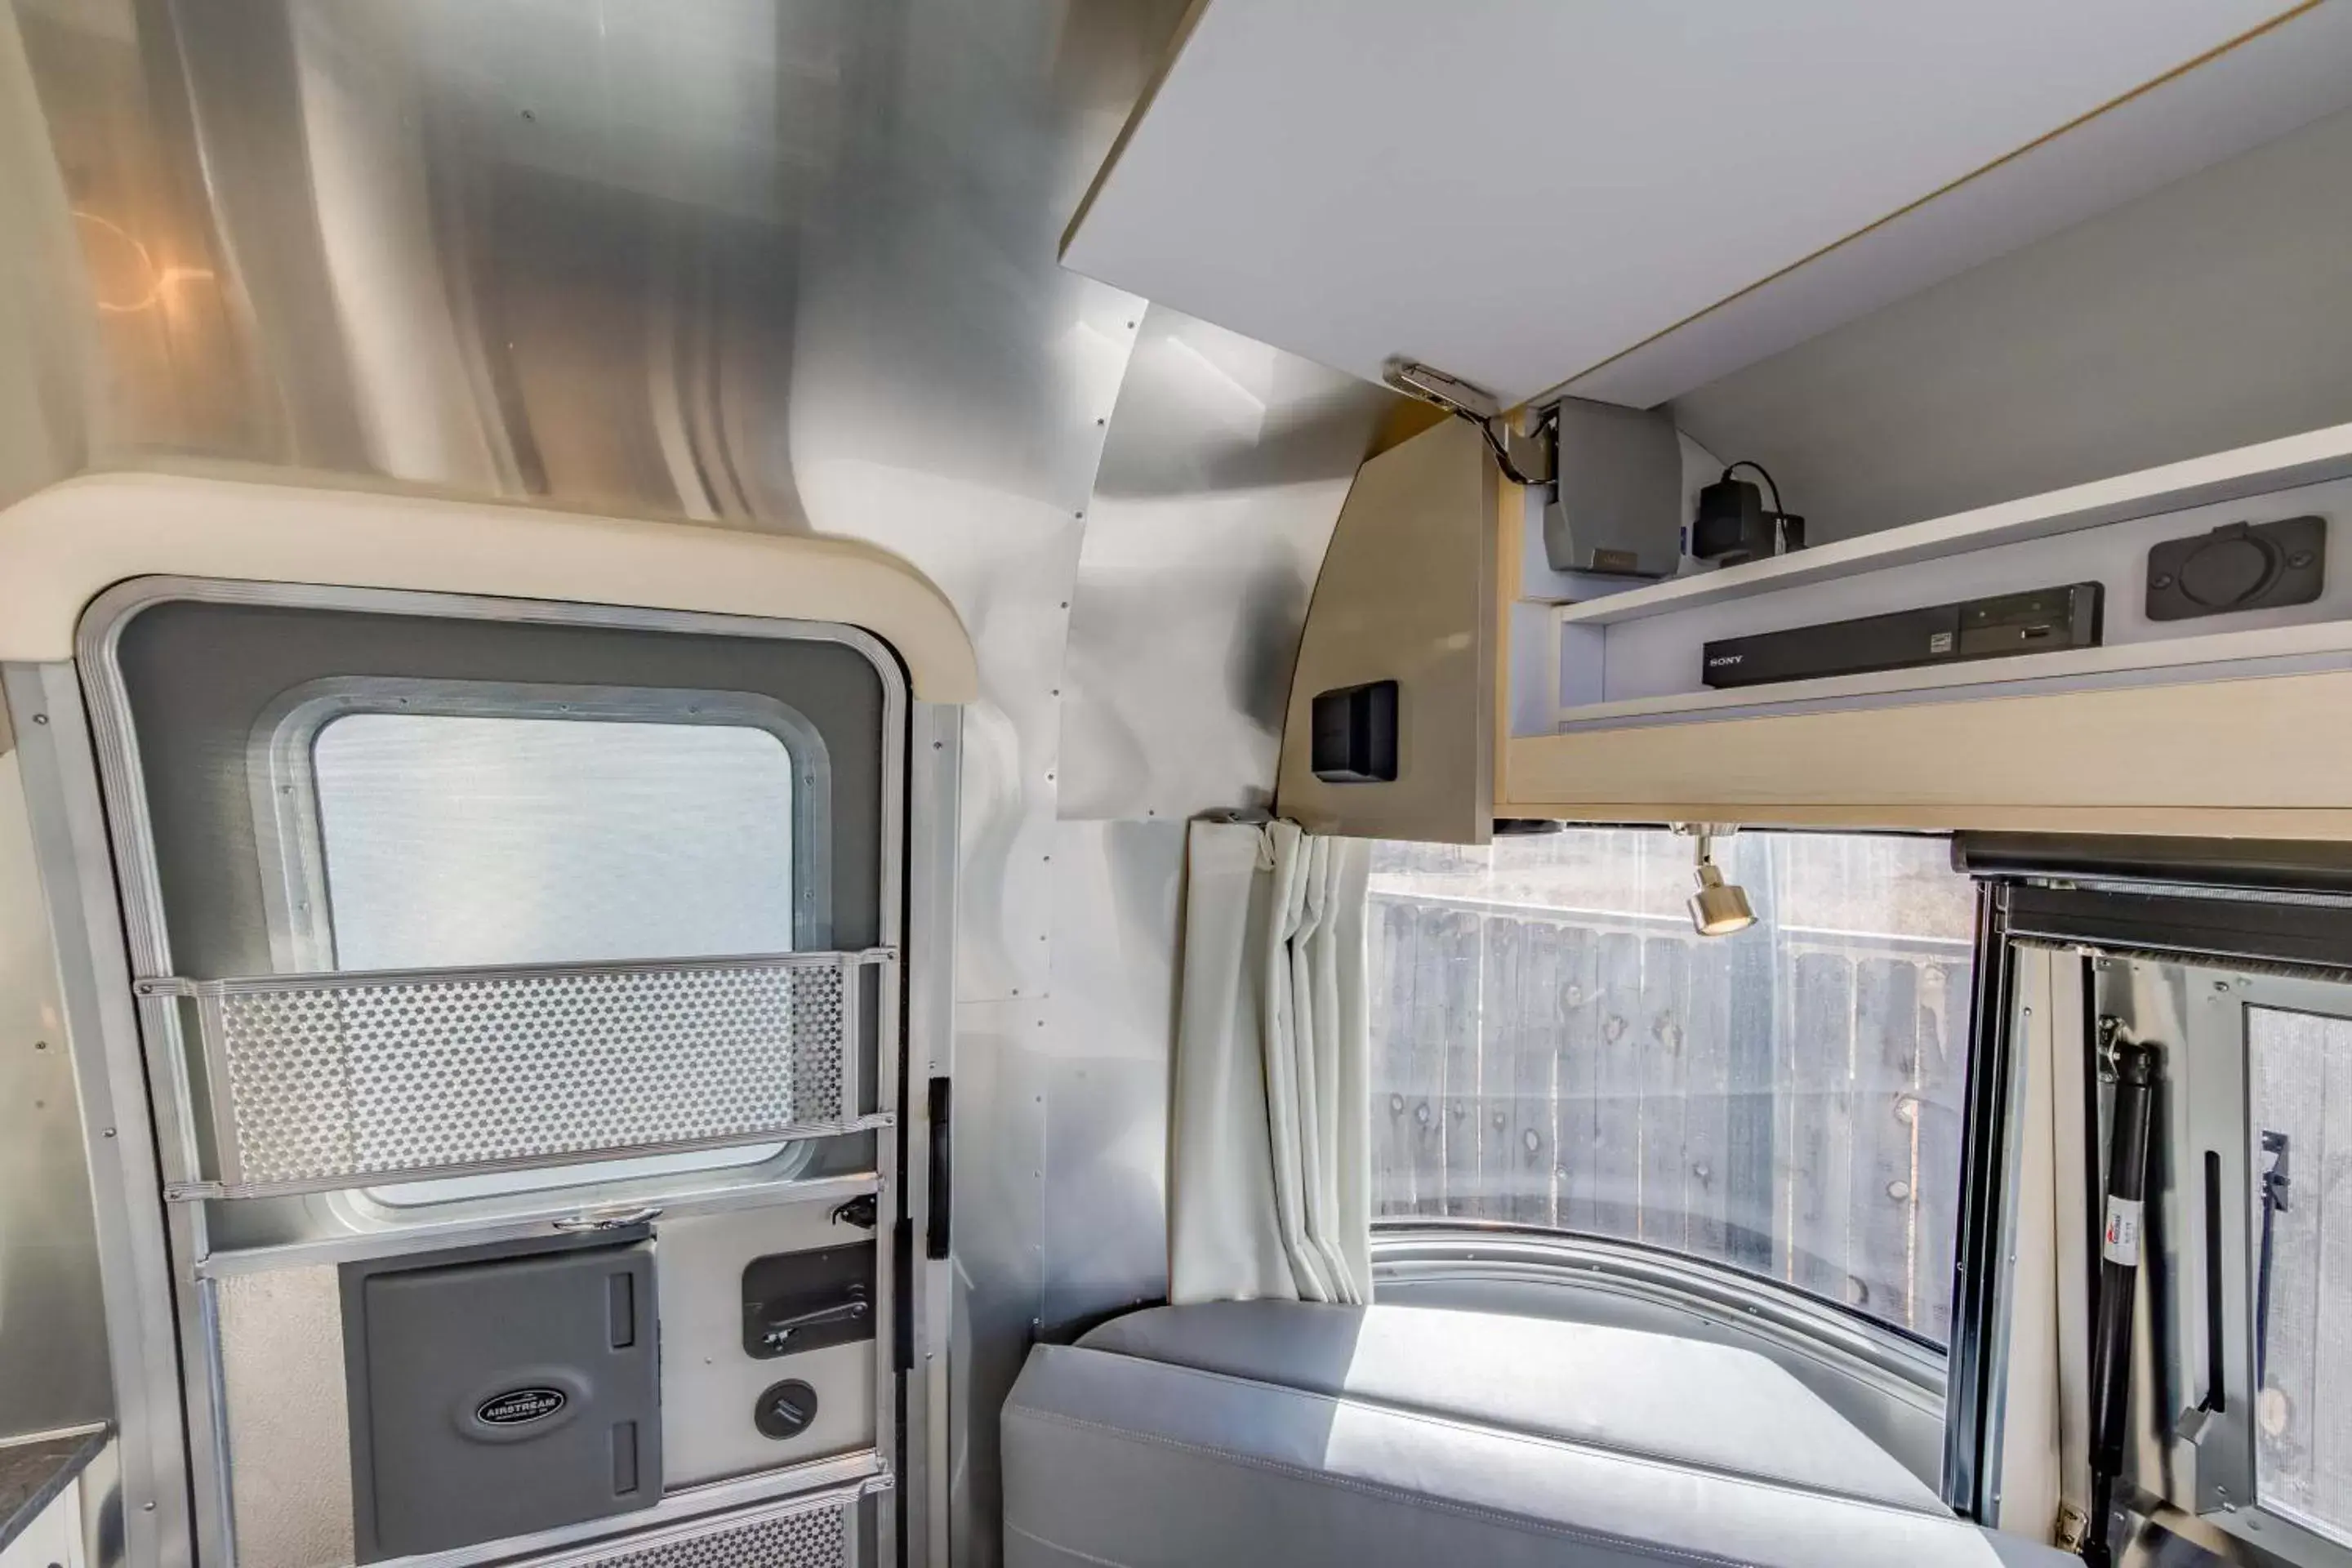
{"points": [[350, 1077], [813, 1537]]}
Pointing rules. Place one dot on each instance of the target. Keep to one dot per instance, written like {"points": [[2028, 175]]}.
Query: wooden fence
{"points": [[1785, 1101]]}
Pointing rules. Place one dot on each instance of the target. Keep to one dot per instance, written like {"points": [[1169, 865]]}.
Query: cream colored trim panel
{"points": [[62, 547], [2260, 757], [1406, 593]]}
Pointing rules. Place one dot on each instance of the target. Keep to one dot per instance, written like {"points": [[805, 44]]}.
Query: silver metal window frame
{"points": [[2038, 991], [282, 767], [89, 808], [1477, 1250]]}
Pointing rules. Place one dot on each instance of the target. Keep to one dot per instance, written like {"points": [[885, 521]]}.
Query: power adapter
{"points": [[1733, 524]]}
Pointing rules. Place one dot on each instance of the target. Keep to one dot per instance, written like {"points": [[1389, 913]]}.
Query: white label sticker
{"points": [[2121, 1243]]}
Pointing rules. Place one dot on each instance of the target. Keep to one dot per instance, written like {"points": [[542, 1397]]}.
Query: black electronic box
{"points": [[2041, 621]]}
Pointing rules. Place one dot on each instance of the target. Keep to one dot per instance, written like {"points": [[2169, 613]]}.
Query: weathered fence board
{"points": [[1458, 938], [1498, 1166], [1576, 1069], [1943, 1085], [1617, 1090], [1533, 1139], [1751, 1195], [1784, 1104], [1821, 1124], [1417, 1074], [1883, 1159], [1706, 1090], [1658, 1039]]}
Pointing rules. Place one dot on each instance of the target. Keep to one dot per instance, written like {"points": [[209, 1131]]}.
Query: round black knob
{"points": [[785, 1409]]}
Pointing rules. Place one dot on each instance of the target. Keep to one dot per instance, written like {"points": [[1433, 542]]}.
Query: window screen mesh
{"points": [[466, 841]]}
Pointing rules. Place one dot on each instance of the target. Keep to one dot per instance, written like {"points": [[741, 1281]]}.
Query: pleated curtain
{"points": [[1270, 1167]]}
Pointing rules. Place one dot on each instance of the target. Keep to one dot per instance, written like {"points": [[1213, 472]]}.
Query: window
{"points": [[1554, 1046], [2299, 1076], [452, 840], [456, 825]]}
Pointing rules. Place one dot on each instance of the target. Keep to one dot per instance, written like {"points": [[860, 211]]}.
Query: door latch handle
{"points": [[777, 1334], [607, 1219]]}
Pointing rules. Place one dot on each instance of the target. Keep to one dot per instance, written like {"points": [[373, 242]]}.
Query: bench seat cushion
{"points": [[1125, 1450]]}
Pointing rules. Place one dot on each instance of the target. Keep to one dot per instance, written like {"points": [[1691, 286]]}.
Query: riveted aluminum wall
{"points": [[782, 264]]}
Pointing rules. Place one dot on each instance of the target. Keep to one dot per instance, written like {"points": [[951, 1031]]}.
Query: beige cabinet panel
{"points": [[1407, 594]]}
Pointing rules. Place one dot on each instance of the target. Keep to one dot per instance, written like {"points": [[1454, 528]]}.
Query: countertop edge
{"points": [[47, 1466]]}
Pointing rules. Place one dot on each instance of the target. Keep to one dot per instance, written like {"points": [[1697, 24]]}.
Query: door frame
{"points": [[94, 848]]}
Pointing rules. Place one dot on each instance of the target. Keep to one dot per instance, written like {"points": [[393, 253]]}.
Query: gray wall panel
{"points": [[2205, 315], [53, 1370], [1220, 484], [782, 264], [1110, 1035], [996, 1294]]}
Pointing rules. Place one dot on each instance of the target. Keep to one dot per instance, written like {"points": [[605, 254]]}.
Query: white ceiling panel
{"points": [[1518, 190]]}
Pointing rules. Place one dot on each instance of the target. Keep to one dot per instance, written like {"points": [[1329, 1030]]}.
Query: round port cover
{"points": [[2229, 570], [785, 1409]]}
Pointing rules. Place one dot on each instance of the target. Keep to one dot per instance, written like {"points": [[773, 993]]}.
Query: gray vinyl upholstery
{"points": [[1266, 1433], [1688, 1402]]}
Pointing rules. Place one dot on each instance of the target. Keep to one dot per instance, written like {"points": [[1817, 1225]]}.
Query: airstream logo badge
{"points": [[518, 1405]]}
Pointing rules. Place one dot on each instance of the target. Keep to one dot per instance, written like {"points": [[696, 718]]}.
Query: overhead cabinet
{"points": [[1583, 213], [1625, 202]]}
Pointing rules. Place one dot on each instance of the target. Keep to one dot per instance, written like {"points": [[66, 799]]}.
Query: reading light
{"points": [[1718, 908]]}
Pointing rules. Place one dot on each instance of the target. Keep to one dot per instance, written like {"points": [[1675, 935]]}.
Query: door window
{"points": [[454, 841], [458, 826]]}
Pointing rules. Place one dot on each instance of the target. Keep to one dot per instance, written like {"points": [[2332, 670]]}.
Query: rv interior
{"points": [[1110, 783]]}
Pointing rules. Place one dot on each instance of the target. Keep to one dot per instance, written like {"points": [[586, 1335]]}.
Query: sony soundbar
{"points": [[2041, 621]]}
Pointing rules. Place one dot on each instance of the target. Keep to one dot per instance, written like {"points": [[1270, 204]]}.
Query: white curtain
{"points": [[1270, 1164]]}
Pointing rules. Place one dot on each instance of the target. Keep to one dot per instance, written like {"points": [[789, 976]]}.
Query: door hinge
{"points": [[1526, 457]]}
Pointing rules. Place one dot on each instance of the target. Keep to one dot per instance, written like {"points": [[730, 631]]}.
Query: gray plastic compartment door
{"points": [[499, 1397]]}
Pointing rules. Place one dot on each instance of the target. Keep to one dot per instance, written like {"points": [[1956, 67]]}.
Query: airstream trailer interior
{"points": [[1138, 782]]}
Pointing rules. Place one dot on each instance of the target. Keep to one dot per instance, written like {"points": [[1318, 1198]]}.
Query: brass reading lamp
{"points": [[1718, 907]]}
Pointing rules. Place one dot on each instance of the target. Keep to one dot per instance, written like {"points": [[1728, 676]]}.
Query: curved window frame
{"points": [[1864, 1368], [1425, 1248], [289, 838]]}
